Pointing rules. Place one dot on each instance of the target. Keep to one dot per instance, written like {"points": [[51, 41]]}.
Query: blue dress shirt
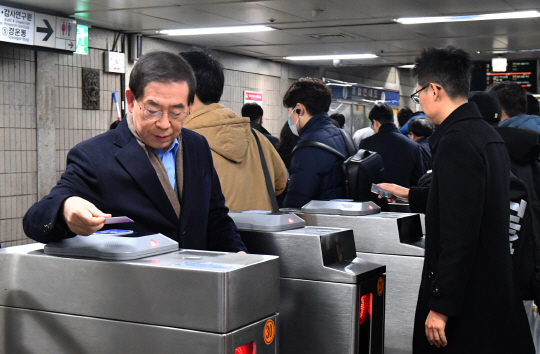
{"points": [[169, 161]]}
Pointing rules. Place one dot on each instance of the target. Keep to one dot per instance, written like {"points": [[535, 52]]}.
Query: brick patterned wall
{"points": [[73, 124], [18, 150], [233, 95], [18, 156]]}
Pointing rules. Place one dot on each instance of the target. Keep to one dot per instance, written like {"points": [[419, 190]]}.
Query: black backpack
{"points": [[360, 169]]}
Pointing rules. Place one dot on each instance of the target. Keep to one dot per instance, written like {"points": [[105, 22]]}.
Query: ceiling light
{"points": [[496, 16], [216, 30], [336, 84], [408, 66], [332, 57], [506, 51]]}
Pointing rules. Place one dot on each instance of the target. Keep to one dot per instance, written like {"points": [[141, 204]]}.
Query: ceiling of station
{"points": [[318, 27]]}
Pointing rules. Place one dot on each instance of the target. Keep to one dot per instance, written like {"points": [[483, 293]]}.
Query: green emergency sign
{"points": [[82, 39]]}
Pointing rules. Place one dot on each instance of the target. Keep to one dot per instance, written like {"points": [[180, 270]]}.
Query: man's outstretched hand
{"points": [[401, 193], [82, 217]]}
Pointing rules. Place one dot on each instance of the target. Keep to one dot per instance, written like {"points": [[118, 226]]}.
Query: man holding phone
{"points": [[469, 301]]}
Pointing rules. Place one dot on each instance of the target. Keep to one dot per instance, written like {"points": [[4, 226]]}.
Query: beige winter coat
{"points": [[236, 157]]}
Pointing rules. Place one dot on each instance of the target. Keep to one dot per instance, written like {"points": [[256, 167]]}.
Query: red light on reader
{"points": [[365, 308], [153, 243], [370, 206], [291, 220], [248, 348]]}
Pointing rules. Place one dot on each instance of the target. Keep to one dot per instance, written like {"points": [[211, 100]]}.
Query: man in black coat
{"points": [[469, 301], [401, 156]]}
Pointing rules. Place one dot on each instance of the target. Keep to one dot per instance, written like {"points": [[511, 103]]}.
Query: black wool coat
{"points": [[467, 272]]}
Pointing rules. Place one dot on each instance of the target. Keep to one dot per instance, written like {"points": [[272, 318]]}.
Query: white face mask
{"points": [[293, 127]]}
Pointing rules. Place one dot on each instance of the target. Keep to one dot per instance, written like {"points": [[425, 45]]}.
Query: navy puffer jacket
{"points": [[316, 174]]}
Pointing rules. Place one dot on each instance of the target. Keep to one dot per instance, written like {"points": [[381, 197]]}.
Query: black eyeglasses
{"points": [[415, 96], [154, 115]]}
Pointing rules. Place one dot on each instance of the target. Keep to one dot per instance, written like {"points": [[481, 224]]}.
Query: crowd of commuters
{"points": [[180, 161]]}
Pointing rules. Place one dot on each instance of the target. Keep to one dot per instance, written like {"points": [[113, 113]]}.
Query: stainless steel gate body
{"points": [[192, 301], [322, 285], [395, 240]]}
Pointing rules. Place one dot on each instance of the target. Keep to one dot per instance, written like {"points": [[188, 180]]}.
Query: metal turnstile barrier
{"points": [[389, 238], [184, 301], [405, 208], [330, 301]]}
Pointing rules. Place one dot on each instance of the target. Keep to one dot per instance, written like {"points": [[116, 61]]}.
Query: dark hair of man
{"points": [[404, 115], [512, 96], [253, 111], [421, 127], [533, 106], [382, 113], [209, 74], [312, 93], [448, 67], [338, 117], [163, 67]]}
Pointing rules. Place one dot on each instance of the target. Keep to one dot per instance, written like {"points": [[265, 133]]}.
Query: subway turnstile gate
{"points": [[183, 301], [331, 301], [390, 238]]}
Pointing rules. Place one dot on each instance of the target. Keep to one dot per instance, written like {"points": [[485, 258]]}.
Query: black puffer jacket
{"points": [[524, 150]]}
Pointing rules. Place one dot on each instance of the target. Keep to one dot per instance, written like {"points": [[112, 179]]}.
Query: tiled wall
{"points": [[18, 156], [73, 124], [18, 150], [236, 82]]}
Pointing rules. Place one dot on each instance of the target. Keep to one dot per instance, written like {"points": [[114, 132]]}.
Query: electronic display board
{"points": [[522, 72]]}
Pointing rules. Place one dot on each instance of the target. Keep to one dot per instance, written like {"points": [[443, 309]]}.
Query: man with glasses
{"points": [[469, 301], [148, 169]]}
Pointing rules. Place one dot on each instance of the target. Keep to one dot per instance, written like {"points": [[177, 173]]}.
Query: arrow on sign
{"points": [[70, 45], [49, 30]]}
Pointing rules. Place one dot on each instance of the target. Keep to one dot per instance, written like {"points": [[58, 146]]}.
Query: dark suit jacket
{"points": [[425, 150], [467, 268], [113, 172], [401, 156]]}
